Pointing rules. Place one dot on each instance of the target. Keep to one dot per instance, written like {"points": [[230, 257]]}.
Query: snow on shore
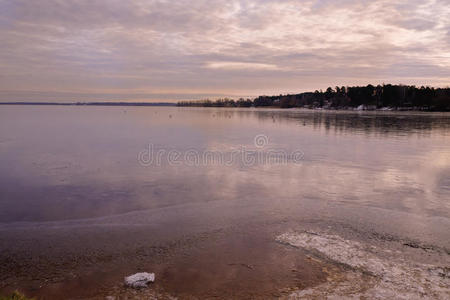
{"points": [[372, 272]]}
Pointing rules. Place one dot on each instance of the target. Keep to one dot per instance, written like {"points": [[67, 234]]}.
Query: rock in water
{"points": [[139, 280]]}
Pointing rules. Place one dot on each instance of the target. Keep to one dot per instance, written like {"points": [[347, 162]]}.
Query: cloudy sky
{"points": [[143, 49]]}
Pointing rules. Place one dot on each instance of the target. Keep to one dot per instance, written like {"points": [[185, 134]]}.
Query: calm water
{"points": [[65, 163]]}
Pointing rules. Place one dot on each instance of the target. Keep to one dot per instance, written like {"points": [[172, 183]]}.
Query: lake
{"points": [[121, 187]]}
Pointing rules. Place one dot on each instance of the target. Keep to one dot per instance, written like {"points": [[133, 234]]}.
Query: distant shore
{"points": [[370, 97], [386, 97], [93, 103], [168, 104]]}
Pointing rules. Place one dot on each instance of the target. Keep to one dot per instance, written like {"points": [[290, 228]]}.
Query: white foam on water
{"points": [[374, 273]]}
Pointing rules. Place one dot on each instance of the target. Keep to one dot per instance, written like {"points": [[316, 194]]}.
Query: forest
{"points": [[370, 97]]}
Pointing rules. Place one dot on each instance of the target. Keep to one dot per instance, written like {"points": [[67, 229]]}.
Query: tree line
{"points": [[362, 97]]}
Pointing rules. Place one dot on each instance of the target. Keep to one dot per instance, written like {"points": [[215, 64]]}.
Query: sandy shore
{"points": [[222, 263], [199, 255]]}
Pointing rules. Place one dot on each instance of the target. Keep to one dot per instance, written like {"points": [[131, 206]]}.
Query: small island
{"points": [[370, 97]]}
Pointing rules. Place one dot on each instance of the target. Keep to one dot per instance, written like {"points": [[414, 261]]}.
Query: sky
{"points": [[66, 50]]}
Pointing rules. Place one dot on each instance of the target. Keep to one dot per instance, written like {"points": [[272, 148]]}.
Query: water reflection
{"points": [[384, 123], [60, 163]]}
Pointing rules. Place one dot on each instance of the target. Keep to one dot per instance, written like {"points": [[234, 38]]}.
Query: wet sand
{"points": [[261, 256], [228, 263]]}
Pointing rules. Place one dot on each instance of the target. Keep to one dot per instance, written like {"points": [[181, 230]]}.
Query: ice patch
{"points": [[139, 280], [374, 273]]}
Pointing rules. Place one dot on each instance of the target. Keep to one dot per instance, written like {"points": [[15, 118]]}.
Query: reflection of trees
{"points": [[380, 123], [384, 123]]}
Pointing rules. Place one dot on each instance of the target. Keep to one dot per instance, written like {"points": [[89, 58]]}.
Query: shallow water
{"points": [[113, 184]]}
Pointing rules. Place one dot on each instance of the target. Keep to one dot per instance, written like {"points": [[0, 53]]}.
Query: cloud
{"points": [[230, 65], [239, 47]]}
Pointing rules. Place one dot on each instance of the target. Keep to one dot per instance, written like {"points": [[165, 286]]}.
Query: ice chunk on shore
{"points": [[139, 280], [374, 274]]}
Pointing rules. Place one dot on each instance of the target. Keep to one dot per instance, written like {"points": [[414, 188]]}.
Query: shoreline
{"points": [[92, 103], [300, 263], [350, 109], [263, 256], [169, 104]]}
